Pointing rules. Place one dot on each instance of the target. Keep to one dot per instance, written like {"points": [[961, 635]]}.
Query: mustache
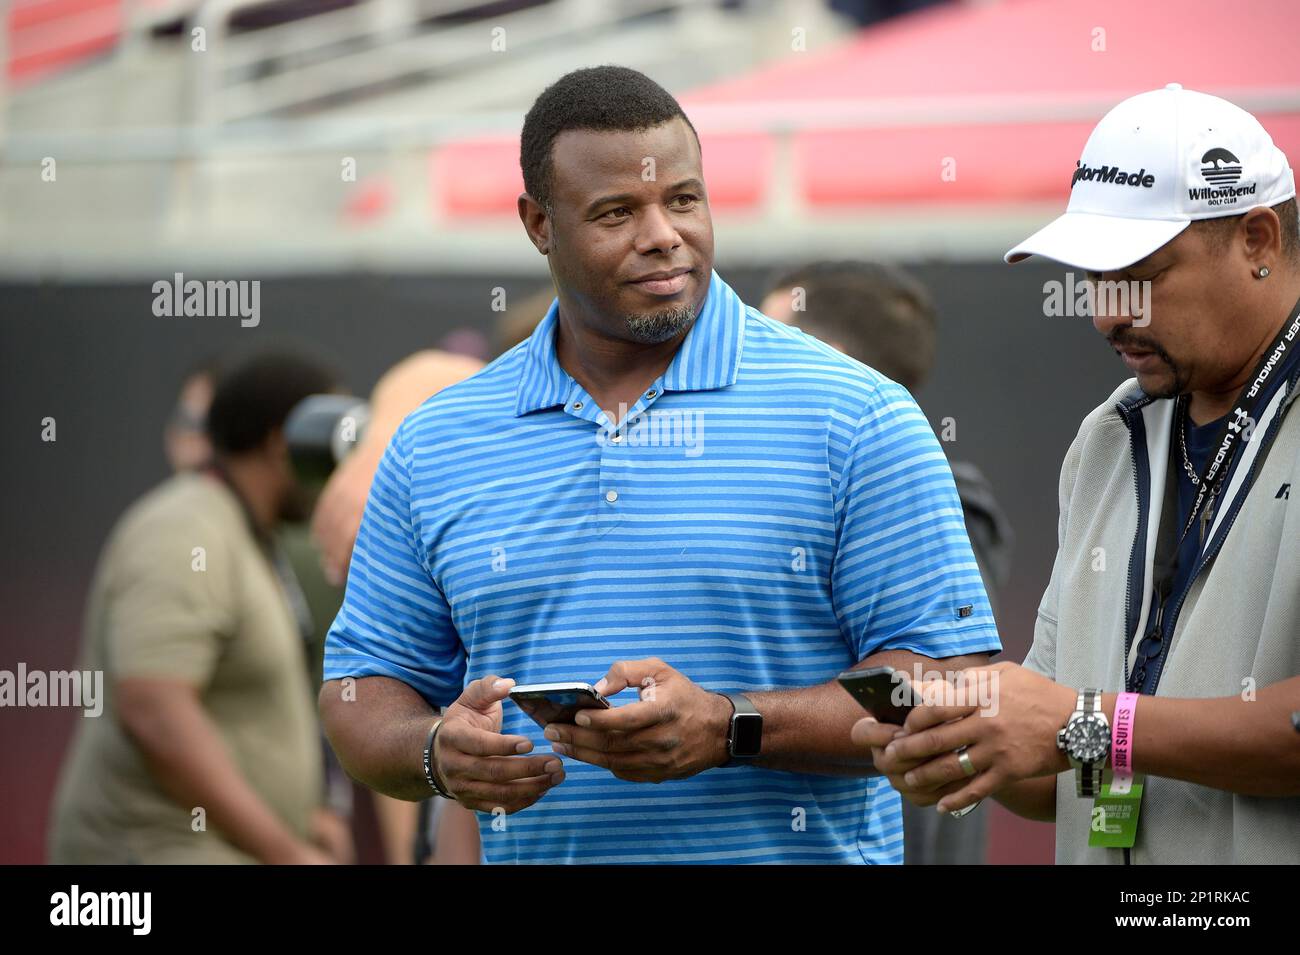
{"points": [[1125, 337]]}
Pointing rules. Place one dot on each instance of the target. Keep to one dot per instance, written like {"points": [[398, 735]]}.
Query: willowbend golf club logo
{"points": [[1222, 170], [1112, 174], [1220, 167]]}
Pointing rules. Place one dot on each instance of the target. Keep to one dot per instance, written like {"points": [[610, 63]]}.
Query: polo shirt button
{"points": [[577, 406], [651, 393], [611, 496]]}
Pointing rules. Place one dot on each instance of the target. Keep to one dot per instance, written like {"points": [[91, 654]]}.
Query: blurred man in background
{"points": [[189, 448], [208, 749], [886, 319], [318, 558]]}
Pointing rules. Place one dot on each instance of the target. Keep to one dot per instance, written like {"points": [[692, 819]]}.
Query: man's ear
{"points": [[1263, 234], [536, 222]]}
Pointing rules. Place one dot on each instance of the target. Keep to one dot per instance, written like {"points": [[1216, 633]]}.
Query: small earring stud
{"points": [[1263, 271]]}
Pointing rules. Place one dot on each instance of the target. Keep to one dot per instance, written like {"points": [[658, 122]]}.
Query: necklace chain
{"points": [[1187, 462]]}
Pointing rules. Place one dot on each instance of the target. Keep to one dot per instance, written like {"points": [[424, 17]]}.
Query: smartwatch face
{"points": [[1087, 739], [747, 734]]}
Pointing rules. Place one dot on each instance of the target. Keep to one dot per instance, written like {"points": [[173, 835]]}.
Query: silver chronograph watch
{"points": [[1085, 739]]}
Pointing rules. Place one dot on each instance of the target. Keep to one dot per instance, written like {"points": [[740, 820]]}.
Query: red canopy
{"points": [[1000, 97], [44, 35]]}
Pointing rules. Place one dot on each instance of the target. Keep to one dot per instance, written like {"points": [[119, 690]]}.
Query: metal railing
{"points": [[372, 45]]}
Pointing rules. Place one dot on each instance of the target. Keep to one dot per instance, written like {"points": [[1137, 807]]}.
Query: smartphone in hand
{"points": [[557, 702], [883, 692]]}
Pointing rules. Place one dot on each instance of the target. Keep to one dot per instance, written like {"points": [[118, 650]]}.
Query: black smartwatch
{"points": [[745, 733]]}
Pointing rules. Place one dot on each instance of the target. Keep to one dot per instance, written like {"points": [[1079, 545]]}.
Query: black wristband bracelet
{"points": [[429, 774]]}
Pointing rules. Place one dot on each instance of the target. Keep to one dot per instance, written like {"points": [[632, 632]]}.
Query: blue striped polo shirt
{"points": [[770, 512]]}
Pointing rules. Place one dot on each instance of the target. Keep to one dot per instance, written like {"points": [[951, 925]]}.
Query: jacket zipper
{"points": [[1126, 413]]}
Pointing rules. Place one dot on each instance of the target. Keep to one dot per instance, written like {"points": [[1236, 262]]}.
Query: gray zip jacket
{"points": [[1238, 628]]}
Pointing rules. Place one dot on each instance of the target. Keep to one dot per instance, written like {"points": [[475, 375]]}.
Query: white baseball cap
{"points": [[1154, 164]]}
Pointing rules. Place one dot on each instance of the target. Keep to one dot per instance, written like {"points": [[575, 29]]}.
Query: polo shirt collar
{"points": [[709, 356]]}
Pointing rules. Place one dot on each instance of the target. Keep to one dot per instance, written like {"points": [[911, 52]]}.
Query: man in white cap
{"points": [[1152, 718]]}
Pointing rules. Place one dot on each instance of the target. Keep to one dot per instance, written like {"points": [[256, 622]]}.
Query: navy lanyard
{"points": [[1147, 667]]}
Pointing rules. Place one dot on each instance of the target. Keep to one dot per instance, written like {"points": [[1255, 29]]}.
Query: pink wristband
{"points": [[1121, 741]]}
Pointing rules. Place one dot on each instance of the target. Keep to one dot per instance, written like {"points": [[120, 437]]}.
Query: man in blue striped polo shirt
{"points": [[663, 492]]}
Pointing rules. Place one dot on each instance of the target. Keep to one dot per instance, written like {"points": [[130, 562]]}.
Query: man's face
{"points": [[1192, 341], [628, 206], [294, 501]]}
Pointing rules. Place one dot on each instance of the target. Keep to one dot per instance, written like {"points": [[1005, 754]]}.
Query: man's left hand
{"points": [[1007, 718], [675, 730]]}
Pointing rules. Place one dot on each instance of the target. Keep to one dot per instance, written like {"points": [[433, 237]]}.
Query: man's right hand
{"points": [[478, 765]]}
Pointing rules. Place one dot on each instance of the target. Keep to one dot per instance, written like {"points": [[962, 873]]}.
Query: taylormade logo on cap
{"points": [[1112, 174], [1154, 164]]}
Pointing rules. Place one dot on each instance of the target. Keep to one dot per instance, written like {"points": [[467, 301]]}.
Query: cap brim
{"points": [[1097, 243]]}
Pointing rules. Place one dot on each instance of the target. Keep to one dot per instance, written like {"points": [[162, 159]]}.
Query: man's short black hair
{"points": [[253, 397], [1218, 231], [612, 98], [878, 314]]}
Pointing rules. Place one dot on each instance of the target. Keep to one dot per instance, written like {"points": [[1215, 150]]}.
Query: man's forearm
{"points": [[1227, 743], [187, 756], [807, 730], [379, 735], [1031, 798]]}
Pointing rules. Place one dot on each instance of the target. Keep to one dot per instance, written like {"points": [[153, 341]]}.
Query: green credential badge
{"points": [[1114, 821]]}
